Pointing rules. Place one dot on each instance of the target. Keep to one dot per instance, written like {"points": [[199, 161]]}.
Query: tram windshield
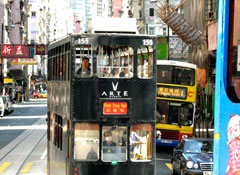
{"points": [[141, 142], [145, 62], [114, 143], [115, 62], [175, 75], [83, 61], [178, 113], [86, 142]]}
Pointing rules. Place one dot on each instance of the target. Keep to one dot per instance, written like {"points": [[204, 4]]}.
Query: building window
{"points": [[151, 12], [33, 13], [211, 10], [151, 31], [164, 31], [140, 14]]}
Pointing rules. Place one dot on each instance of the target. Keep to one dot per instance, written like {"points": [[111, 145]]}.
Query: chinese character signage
{"points": [[40, 50], [115, 108], [19, 50], [15, 51], [7, 50], [172, 92]]}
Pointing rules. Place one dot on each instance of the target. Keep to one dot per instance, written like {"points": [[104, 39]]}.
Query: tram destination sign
{"points": [[171, 92], [115, 108]]}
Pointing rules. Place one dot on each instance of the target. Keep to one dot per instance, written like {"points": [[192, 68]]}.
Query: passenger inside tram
{"points": [[84, 70], [136, 145], [114, 143], [108, 145]]}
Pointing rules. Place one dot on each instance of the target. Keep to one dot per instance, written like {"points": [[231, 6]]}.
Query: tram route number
{"points": [[83, 41], [147, 42]]}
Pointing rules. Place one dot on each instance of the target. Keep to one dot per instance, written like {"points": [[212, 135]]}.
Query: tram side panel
{"points": [[59, 108]]}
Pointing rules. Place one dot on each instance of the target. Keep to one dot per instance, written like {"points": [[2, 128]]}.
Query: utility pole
{"points": [[2, 42]]}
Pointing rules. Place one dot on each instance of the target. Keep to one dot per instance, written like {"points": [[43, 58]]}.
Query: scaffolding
{"points": [[178, 24]]}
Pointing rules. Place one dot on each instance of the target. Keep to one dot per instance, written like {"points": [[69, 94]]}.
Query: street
{"points": [[23, 147], [23, 139]]}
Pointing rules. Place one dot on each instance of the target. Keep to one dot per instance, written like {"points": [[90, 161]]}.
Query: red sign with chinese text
{"points": [[115, 108], [19, 50], [7, 49]]}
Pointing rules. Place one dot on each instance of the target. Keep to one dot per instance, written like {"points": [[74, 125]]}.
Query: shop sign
{"points": [[19, 50], [7, 49]]}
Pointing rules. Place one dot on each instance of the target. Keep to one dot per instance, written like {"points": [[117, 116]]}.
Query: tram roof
{"points": [[69, 37], [176, 63]]}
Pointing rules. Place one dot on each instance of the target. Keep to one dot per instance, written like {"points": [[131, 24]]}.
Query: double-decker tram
{"points": [[176, 101], [101, 105], [227, 90]]}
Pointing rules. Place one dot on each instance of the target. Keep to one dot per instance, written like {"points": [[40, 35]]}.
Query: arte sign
{"points": [[115, 93]]}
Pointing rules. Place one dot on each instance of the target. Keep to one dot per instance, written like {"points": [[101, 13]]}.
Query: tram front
{"points": [[113, 92]]}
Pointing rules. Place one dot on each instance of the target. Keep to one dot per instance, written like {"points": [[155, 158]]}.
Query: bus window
{"points": [[86, 142], [114, 143], [115, 62], [233, 85], [141, 142], [178, 113], [145, 62], [175, 75], [83, 66]]}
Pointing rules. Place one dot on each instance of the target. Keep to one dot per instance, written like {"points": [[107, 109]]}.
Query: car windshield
{"points": [[194, 146]]}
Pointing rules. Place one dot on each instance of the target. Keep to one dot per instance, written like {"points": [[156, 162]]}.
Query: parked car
{"points": [[2, 107], [42, 94], [193, 156], [6, 105]]}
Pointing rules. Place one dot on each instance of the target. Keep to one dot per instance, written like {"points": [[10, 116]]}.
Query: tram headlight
{"points": [[184, 136], [189, 164]]}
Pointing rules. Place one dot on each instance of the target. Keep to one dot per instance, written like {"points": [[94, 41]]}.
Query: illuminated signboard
{"points": [[172, 92], [115, 108]]}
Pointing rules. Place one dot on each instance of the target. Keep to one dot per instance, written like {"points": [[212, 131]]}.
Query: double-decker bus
{"points": [[176, 100], [101, 105], [227, 90]]}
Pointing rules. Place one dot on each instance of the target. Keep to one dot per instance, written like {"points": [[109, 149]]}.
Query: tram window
{"points": [[86, 142], [141, 142], [145, 62], [83, 61], [114, 143], [115, 62]]}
